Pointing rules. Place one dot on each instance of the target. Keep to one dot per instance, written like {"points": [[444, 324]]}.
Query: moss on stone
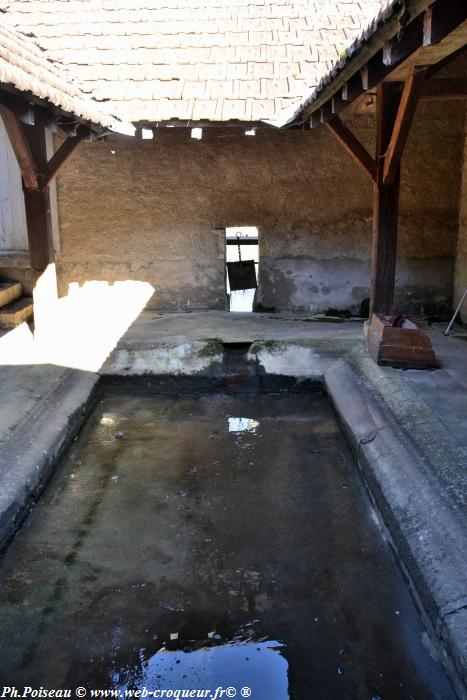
{"points": [[270, 345], [212, 348]]}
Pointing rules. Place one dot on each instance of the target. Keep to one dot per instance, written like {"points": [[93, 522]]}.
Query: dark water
{"points": [[197, 543]]}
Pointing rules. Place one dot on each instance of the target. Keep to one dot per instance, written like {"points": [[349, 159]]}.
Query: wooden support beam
{"points": [[20, 146], [385, 205], [446, 88], [353, 146], [62, 154], [37, 204], [405, 114]]}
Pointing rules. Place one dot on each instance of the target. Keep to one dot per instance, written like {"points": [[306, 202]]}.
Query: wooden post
{"points": [[385, 205], [37, 204]]}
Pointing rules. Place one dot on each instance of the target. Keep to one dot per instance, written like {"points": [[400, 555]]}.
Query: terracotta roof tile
{"points": [[25, 67], [241, 59]]}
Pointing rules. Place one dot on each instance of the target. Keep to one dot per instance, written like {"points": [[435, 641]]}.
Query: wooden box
{"points": [[405, 348]]}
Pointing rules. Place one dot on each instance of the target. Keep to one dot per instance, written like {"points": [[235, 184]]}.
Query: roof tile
{"points": [[147, 57]]}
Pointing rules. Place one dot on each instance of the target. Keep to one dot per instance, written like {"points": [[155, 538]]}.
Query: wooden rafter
{"points": [[430, 37], [20, 148], [353, 146], [405, 114], [62, 154]]}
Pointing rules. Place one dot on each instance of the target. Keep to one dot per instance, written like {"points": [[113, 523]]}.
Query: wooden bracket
{"points": [[62, 154], [353, 146], [405, 114], [20, 146], [35, 177]]}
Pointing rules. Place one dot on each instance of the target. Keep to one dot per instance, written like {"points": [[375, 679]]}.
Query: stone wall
{"points": [[155, 211]]}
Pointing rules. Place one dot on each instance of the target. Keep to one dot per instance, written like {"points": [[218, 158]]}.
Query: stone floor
{"points": [[424, 414]]}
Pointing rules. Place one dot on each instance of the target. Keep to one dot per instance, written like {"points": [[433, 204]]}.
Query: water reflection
{"points": [[259, 666], [240, 425]]}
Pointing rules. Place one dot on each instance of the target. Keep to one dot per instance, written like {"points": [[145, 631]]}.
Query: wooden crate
{"points": [[405, 348]]}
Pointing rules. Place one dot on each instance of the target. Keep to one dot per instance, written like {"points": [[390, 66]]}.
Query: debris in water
{"points": [[119, 434], [340, 671], [114, 478], [240, 425], [173, 636]]}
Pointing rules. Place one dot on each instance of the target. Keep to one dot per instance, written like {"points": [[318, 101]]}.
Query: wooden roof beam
{"points": [[21, 149], [353, 146], [429, 38], [405, 114], [446, 88], [442, 18]]}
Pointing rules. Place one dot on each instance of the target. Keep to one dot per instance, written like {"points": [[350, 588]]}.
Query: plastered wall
{"points": [[155, 211], [460, 280]]}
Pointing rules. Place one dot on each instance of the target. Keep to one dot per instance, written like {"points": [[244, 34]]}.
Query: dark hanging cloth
{"points": [[242, 275]]}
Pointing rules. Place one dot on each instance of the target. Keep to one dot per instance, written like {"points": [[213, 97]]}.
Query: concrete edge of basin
{"points": [[429, 541], [30, 456]]}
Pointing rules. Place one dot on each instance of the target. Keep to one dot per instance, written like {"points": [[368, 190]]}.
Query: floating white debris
{"points": [[197, 133], [147, 134], [173, 636], [240, 425], [250, 132]]}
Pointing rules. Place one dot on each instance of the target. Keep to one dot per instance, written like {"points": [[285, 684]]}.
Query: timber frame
{"points": [[25, 120], [401, 69]]}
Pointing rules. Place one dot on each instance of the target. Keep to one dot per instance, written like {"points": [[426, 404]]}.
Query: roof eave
{"points": [[387, 26]]}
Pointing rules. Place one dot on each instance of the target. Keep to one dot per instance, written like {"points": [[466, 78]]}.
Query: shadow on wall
{"points": [[81, 329]]}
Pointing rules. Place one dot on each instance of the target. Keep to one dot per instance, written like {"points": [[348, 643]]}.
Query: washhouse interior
{"points": [[181, 545], [233, 306]]}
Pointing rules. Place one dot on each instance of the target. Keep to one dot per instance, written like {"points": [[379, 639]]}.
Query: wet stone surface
{"points": [[211, 541]]}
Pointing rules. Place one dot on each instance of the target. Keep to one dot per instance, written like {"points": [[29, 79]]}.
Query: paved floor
{"points": [[232, 327], [445, 391], [181, 545]]}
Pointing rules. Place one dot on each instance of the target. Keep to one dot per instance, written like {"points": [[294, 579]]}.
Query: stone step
{"points": [[9, 291], [16, 312]]}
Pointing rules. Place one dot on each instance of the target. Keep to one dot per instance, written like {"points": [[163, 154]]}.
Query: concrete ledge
{"points": [[429, 538], [186, 358], [30, 455]]}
